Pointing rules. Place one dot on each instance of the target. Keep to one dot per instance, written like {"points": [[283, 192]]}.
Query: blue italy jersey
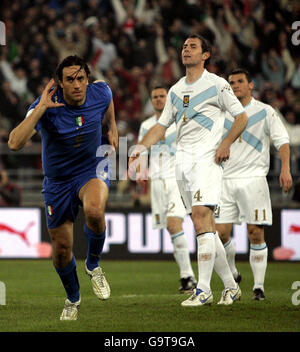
{"points": [[71, 135]]}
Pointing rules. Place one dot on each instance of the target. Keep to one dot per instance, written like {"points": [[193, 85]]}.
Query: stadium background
{"points": [[135, 45]]}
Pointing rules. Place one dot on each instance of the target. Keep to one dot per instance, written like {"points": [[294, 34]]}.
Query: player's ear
{"points": [[251, 85], [206, 55]]}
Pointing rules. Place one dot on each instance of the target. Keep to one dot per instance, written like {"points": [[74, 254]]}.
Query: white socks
{"points": [[230, 255], [182, 255], [206, 258], [221, 265], [258, 262]]}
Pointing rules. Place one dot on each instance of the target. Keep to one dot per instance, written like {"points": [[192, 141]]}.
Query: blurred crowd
{"points": [[136, 44]]}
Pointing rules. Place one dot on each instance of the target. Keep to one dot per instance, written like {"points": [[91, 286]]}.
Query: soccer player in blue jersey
{"points": [[70, 117]]}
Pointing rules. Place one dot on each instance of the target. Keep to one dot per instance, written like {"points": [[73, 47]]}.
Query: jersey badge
{"points": [[186, 101], [79, 121], [50, 210]]}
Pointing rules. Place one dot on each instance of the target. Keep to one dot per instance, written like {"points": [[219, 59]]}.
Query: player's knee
{"points": [[224, 237], [256, 234], [174, 228], [61, 247], [95, 218], [202, 219]]}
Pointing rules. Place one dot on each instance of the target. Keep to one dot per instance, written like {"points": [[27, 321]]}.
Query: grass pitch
{"points": [[144, 298]]}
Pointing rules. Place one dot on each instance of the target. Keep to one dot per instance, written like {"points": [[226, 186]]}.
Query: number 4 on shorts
{"points": [[197, 196]]}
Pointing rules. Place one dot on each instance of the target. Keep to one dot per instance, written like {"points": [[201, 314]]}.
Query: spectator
{"points": [[104, 51], [273, 69], [135, 45], [10, 104], [10, 193], [68, 42]]}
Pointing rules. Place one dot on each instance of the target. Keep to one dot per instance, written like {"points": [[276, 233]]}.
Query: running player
{"points": [[69, 117], [245, 193]]}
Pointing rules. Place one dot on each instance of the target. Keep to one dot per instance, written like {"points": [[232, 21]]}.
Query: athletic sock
{"points": [[230, 255], [182, 254], [206, 259], [69, 279], [221, 265], [95, 242], [258, 262]]}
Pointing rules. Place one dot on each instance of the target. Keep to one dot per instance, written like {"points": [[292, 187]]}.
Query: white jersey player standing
{"points": [[197, 103], [245, 193], [167, 208]]}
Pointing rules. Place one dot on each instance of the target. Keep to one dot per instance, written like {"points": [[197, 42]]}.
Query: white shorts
{"points": [[245, 200], [165, 202], [199, 184]]}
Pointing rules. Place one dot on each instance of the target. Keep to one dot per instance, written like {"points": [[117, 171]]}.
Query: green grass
{"points": [[144, 299]]}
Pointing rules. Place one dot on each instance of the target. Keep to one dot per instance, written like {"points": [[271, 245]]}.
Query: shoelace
{"points": [[100, 278], [194, 296], [69, 308]]}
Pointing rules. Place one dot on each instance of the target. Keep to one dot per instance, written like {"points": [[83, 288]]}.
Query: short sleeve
{"points": [[103, 89], [167, 117], [276, 129], [227, 99], [30, 110], [142, 132]]}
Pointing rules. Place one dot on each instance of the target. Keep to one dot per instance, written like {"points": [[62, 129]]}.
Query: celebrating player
{"points": [[167, 208], [245, 193], [197, 103], [70, 117]]}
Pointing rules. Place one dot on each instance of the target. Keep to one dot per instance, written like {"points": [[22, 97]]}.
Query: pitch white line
{"points": [[151, 295]]}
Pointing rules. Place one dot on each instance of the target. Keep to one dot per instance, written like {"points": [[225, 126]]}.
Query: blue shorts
{"points": [[62, 198]]}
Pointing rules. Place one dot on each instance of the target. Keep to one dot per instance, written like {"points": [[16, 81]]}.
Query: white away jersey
{"points": [[199, 112], [162, 154], [250, 154]]}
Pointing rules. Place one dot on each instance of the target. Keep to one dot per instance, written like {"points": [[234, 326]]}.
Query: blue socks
{"points": [[68, 274], [69, 279], [95, 243]]}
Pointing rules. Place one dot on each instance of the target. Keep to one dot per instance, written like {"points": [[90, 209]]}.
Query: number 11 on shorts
{"points": [[256, 216]]}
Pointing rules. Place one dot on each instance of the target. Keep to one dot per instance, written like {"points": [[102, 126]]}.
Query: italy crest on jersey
{"points": [[79, 121], [50, 210]]}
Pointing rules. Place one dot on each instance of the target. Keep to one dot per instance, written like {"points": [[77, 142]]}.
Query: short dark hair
{"points": [[72, 60], [238, 71], [161, 86], [205, 45]]}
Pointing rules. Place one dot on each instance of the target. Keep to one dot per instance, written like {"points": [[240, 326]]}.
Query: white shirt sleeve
{"points": [[167, 117], [227, 100], [29, 112], [142, 132], [276, 129]]}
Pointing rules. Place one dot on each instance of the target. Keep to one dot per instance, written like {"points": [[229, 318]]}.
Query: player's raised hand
{"points": [[46, 97], [285, 180]]}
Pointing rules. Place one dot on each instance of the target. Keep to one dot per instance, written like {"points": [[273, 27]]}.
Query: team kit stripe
{"points": [[246, 135], [189, 111]]}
